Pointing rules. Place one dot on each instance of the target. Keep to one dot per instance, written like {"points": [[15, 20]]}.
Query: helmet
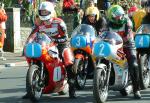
{"points": [[93, 11], [132, 10], [116, 14], [48, 8]]}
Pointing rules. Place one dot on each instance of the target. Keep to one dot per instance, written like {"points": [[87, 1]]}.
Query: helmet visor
{"points": [[119, 19], [44, 12]]}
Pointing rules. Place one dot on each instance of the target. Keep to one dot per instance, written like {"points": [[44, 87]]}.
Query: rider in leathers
{"points": [[56, 29], [98, 22], [95, 19], [120, 23]]}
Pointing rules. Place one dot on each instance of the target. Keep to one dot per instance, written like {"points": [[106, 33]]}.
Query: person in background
{"points": [[130, 13], [19, 4], [56, 29], [78, 18], [94, 18], [107, 4], [3, 19], [121, 23], [89, 4], [139, 15], [146, 19], [70, 6]]}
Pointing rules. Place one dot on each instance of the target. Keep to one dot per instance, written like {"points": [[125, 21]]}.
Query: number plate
{"points": [[33, 50], [79, 41], [102, 49], [142, 41]]}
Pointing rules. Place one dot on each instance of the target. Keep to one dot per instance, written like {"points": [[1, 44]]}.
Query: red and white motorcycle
{"points": [[46, 73]]}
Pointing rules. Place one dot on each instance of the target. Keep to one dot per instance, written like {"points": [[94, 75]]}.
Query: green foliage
{"points": [[8, 3]]}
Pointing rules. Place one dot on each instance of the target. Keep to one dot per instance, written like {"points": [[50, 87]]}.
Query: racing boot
{"points": [[71, 81], [137, 95], [72, 93]]}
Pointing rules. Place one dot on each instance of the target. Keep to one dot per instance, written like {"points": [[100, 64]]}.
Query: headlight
{"points": [[53, 52]]}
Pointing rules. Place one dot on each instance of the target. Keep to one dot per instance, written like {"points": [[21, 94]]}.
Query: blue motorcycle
{"points": [[82, 39], [142, 43]]}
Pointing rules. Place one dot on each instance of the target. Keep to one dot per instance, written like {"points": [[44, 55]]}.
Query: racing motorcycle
{"points": [[46, 73], [82, 39], [111, 72], [142, 43]]}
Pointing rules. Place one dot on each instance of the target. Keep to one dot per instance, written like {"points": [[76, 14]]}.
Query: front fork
{"points": [[85, 58], [107, 70], [41, 76]]}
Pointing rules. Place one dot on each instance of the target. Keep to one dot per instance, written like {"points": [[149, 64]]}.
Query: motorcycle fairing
{"points": [[110, 52], [121, 77], [57, 74]]}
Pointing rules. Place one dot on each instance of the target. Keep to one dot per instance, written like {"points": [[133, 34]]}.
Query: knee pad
{"points": [[68, 56]]}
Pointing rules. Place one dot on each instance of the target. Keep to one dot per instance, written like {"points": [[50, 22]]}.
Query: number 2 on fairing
{"points": [[101, 49], [141, 41]]}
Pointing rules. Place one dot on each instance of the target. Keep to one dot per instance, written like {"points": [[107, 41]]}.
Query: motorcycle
{"points": [[46, 73], [111, 72], [142, 43], [82, 39]]}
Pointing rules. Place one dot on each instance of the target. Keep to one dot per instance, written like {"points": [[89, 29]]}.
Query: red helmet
{"points": [[132, 10]]}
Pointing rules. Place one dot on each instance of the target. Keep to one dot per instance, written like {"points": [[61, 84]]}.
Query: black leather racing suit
{"points": [[125, 31]]}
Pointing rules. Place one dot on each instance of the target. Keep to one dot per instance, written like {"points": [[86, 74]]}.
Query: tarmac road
{"points": [[12, 88]]}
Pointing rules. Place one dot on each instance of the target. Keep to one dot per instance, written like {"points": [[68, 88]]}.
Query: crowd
{"points": [[116, 17]]}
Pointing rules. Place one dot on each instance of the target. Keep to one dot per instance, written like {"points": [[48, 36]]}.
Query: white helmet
{"points": [[48, 6]]}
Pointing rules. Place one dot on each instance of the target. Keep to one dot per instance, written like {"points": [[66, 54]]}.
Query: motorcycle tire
{"points": [[32, 83], [100, 89], [81, 75], [144, 71]]}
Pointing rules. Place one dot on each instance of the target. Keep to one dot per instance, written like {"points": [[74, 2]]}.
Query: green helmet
{"points": [[116, 14]]}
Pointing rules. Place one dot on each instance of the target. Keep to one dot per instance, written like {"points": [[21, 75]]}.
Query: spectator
{"points": [[131, 12], [138, 17], [107, 4], [91, 3], [77, 18], [70, 6], [3, 18], [89, 7], [94, 18], [19, 4], [146, 19]]}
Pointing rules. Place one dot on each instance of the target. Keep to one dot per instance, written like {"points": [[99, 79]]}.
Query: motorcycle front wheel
{"points": [[79, 65], [144, 71], [32, 83], [100, 89]]}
